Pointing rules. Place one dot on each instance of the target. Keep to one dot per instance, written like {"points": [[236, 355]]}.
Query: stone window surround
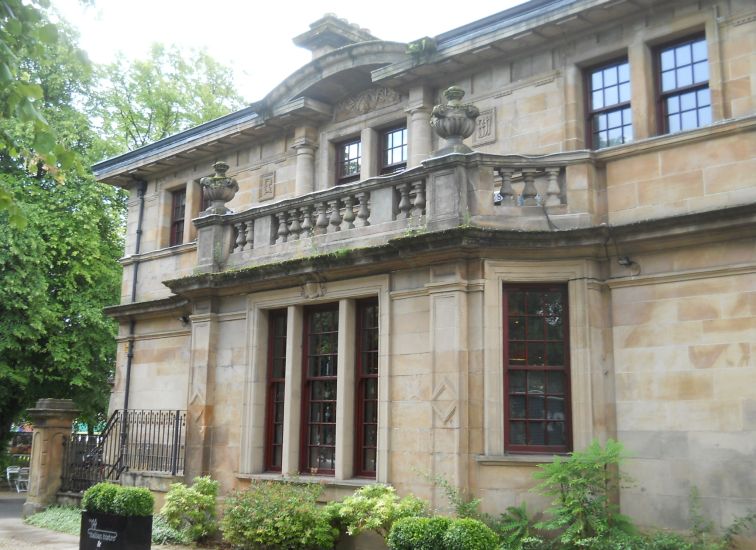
{"points": [[578, 275], [639, 49], [192, 209], [368, 128], [346, 293]]}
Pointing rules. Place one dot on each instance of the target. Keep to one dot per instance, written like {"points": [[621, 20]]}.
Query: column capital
{"points": [[419, 109], [304, 143]]}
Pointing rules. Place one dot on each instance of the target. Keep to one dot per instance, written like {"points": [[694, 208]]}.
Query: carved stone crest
{"points": [[365, 102], [267, 189], [485, 127]]}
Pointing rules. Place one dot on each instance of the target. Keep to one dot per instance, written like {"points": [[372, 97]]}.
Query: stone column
{"points": [[199, 418], [52, 419], [418, 123], [305, 143], [370, 153]]}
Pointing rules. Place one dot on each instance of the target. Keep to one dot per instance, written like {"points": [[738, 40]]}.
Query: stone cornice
{"points": [[424, 249], [151, 308]]}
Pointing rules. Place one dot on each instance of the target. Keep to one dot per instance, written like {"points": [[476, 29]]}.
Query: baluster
{"points": [[363, 213], [321, 224], [349, 211], [404, 202], [306, 221], [529, 192], [294, 228], [241, 236], [335, 218], [250, 237], [283, 229], [419, 203], [507, 195], [553, 193]]}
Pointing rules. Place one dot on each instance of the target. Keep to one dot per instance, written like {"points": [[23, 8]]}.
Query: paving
{"points": [[16, 535]]}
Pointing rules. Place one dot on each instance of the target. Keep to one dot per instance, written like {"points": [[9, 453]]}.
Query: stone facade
{"points": [[650, 240]]}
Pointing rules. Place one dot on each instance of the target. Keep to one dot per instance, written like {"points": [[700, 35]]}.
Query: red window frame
{"points": [[274, 408], [178, 214], [319, 351], [602, 118], [366, 390], [681, 99], [347, 153], [536, 381], [393, 145]]}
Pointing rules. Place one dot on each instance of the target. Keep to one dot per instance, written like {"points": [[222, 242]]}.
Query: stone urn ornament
{"points": [[219, 189], [454, 121]]}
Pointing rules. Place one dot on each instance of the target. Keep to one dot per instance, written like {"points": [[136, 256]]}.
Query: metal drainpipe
{"points": [[141, 191]]}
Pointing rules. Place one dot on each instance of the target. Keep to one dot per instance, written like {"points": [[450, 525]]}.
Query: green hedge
{"points": [[441, 533], [109, 498]]}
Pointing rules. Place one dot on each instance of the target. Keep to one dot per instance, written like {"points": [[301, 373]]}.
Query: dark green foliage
{"points": [[374, 507], [469, 534], [133, 501], [277, 515], [418, 533], [100, 498], [191, 510], [515, 528], [109, 498], [583, 486]]}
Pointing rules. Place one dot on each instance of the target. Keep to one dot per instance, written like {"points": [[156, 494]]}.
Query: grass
{"points": [[58, 518]]}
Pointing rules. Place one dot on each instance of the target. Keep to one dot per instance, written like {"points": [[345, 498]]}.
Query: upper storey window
{"points": [[610, 115], [393, 150], [178, 213], [348, 161], [684, 85]]}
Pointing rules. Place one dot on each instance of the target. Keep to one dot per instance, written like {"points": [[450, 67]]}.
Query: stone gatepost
{"points": [[52, 420]]}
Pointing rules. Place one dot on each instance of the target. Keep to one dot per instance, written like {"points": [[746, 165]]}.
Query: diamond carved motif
{"points": [[444, 401]]}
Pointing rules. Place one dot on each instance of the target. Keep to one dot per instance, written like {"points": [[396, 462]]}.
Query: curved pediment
{"points": [[337, 75]]}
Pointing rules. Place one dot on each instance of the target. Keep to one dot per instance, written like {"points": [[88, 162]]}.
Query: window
{"points": [[393, 150], [610, 117], [366, 409], [274, 421], [536, 369], [178, 210], [320, 357], [348, 161], [684, 85]]}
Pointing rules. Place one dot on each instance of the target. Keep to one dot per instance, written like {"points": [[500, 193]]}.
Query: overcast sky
{"points": [[253, 37]]}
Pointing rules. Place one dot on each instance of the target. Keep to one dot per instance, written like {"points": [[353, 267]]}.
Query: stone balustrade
{"points": [[499, 191]]}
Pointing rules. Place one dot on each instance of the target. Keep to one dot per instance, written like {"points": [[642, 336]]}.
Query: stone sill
{"points": [[514, 459], [323, 480], [159, 253]]}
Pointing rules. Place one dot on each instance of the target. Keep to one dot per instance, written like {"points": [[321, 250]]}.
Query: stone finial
{"points": [[219, 188], [454, 121]]}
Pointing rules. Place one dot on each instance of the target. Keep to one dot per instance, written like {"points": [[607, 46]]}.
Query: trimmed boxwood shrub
{"points": [[109, 498], [469, 534], [191, 510], [277, 515], [418, 533]]}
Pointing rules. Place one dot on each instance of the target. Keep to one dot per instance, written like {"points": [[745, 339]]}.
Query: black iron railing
{"points": [[144, 440]]}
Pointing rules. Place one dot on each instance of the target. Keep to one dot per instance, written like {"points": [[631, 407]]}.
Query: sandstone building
{"points": [[355, 298]]}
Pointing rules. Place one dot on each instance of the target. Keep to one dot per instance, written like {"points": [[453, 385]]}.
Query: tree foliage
{"points": [[147, 100]]}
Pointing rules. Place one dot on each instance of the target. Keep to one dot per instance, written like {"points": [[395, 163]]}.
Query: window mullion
{"points": [[345, 382]]}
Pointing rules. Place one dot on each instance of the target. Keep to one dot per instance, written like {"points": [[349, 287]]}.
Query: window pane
{"points": [[674, 123], [516, 328], [668, 81], [517, 433], [684, 76], [624, 93], [554, 329], [597, 101], [278, 434], [699, 51], [371, 412], [597, 80], [536, 434], [517, 381], [516, 302], [689, 120], [688, 101], [624, 72], [536, 354], [610, 76], [516, 352], [673, 105], [535, 328], [555, 433], [600, 121], [369, 460], [704, 97], [533, 302], [555, 408], [682, 55], [555, 382], [701, 72], [611, 96], [615, 119], [517, 406], [371, 435], [667, 60], [704, 116], [536, 382], [555, 354], [535, 407]]}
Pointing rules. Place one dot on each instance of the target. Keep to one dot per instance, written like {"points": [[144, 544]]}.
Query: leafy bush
{"points": [[418, 533], [374, 507], [470, 534], [191, 510], [515, 529], [582, 486], [100, 498], [109, 498], [133, 501], [163, 533], [278, 515], [64, 519]]}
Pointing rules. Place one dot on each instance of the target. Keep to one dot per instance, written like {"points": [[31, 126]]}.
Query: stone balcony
{"points": [[509, 192]]}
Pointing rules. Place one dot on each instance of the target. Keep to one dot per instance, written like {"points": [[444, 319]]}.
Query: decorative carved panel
{"points": [[365, 102], [485, 127], [267, 189]]}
